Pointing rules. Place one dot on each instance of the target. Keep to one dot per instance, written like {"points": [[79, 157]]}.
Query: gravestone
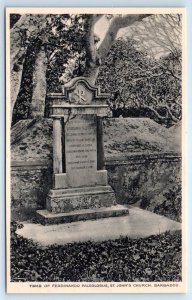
{"points": [[80, 188]]}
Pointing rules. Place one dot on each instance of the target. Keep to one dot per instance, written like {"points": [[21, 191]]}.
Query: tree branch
{"points": [[116, 23], [96, 17], [169, 111], [155, 112], [164, 106]]}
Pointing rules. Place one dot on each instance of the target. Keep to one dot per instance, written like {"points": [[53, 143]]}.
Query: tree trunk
{"points": [[25, 28], [95, 56], [91, 73], [39, 85], [15, 83]]}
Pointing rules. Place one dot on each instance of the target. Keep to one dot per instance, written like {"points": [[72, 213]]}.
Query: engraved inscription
{"points": [[81, 151]]}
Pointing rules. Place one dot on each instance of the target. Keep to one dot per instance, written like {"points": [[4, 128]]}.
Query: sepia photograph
{"points": [[95, 156]]}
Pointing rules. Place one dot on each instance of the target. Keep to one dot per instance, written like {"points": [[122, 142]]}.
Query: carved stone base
{"points": [[67, 200], [47, 218], [76, 204]]}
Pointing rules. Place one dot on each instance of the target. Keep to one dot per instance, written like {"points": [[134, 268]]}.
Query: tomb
{"points": [[80, 186]]}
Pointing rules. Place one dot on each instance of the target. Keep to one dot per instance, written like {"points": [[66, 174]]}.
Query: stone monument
{"points": [[80, 188]]}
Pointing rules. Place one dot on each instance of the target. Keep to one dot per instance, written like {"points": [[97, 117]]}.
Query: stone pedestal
{"points": [[80, 189]]}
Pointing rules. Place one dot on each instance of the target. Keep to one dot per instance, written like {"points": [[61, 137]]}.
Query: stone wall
{"points": [[148, 181], [30, 184], [137, 176]]}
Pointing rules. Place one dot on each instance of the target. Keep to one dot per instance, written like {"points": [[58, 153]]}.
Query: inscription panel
{"points": [[81, 150]]}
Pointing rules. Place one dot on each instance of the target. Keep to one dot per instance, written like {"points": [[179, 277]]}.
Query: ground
{"points": [[155, 258], [139, 223]]}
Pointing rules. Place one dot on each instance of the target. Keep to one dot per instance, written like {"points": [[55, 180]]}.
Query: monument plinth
{"points": [[80, 188]]}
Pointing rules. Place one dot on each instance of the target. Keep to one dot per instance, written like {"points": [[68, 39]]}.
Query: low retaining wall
{"points": [[30, 184], [141, 179], [136, 176]]}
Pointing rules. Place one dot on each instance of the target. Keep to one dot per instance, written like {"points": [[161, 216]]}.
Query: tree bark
{"points": [[95, 57], [26, 28], [39, 85], [117, 23], [92, 61]]}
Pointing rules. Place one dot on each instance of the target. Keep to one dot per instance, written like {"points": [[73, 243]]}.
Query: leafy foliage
{"points": [[63, 39], [171, 206], [141, 86], [65, 49], [156, 258]]}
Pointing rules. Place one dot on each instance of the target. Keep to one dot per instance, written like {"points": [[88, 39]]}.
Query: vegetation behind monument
{"points": [[141, 83]]}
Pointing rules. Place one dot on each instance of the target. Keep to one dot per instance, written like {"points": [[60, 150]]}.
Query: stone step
{"points": [[45, 217], [85, 190]]}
